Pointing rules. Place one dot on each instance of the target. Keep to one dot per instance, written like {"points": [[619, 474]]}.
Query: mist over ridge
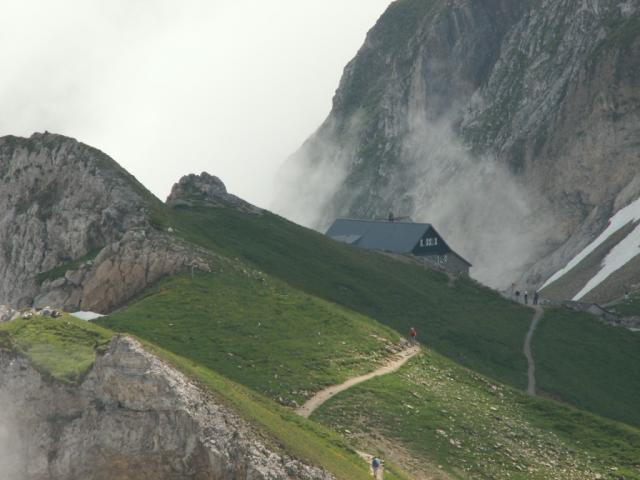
{"points": [[436, 180]]}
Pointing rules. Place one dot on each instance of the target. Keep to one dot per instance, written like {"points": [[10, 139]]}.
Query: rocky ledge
{"points": [[133, 416], [122, 270]]}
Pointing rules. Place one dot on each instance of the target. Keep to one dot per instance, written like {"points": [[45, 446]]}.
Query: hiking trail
{"points": [[367, 458], [531, 371], [322, 396]]}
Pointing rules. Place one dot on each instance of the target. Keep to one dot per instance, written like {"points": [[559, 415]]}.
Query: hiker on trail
{"points": [[526, 297], [518, 296], [412, 336], [535, 297], [375, 466]]}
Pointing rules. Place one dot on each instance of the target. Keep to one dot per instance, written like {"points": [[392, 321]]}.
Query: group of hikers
{"points": [[525, 296]]}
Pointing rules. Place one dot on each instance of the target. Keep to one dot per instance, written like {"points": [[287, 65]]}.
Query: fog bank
{"points": [[481, 209], [170, 88]]}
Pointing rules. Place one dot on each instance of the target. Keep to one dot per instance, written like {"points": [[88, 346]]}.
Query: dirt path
{"points": [[531, 371], [323, 395]]}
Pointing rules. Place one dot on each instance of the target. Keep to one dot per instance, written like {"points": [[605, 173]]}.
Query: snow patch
{"points": [[618, 257], [87, 315], [630, 213]]}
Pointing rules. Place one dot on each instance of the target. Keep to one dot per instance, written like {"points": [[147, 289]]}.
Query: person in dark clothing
{"points": [[375, 466], [518, 296], [535, 297], [526, 297]]}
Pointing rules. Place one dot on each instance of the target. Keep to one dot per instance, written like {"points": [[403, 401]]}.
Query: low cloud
{"points": [[169, 88], [310, 178], [483, 211]]}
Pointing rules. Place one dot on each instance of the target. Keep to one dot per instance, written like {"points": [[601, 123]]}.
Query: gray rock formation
{"points": [[7, 313], [512, 126], [133, 417], [79, 232], [59, 200], [122, 270], [206, 190]]}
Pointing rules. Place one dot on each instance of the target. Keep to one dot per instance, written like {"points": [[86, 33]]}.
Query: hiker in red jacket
{"points": [[412, 336]]}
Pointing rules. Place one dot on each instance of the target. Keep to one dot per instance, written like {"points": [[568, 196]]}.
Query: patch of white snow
{"points": [[87, 315], [630, 213], [618, 257]]}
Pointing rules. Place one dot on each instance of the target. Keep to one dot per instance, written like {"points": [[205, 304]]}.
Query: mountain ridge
{"points": [[275, 312]]}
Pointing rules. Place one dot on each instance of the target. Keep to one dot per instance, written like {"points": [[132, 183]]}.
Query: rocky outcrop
{"points": [[512, 126], [133, 417], [59, 200], [79, 232], [206, 190], [7, 313], [122, 270]]}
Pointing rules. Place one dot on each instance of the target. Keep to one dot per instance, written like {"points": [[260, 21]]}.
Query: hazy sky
{"points": [[173, 87]]}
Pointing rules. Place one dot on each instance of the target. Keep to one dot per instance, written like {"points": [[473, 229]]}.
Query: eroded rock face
{"points": [[206, 190], [59, 200], [494, 119], [122, 270], [133, 417]]}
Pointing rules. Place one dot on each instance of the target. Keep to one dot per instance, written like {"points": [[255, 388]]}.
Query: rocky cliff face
{"points": [[133, 417], [59, 200], [512, 126], [121, 270], [78, 232]]}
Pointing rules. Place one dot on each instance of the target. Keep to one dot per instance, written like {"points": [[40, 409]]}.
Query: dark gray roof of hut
{"points": [[397, 237]]}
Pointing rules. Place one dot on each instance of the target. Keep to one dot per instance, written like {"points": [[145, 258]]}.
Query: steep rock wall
{"points": [[59, 200], [133, 417], [78, 232], [492, 120], [122, 270]]}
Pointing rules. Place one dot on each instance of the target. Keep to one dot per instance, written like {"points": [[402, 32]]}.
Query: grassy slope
{"points": [[65, 349], [256, 330], [62, 348], [297, 436], [468, 323], [374, 285], [446, 415], [589, 364], [430, 394], [627, 307], [60, 270]]}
